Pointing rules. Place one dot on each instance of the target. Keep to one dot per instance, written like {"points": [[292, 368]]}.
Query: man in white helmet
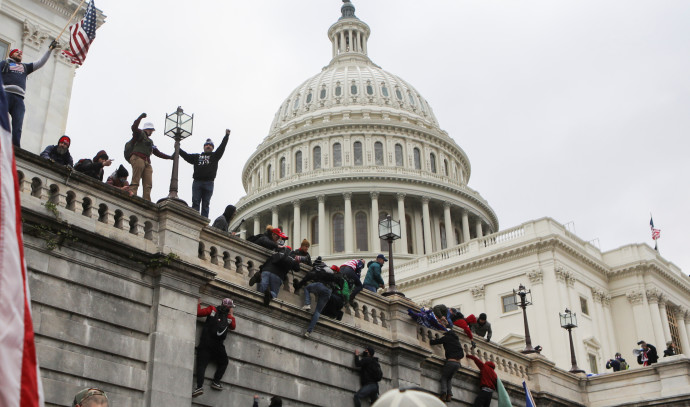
{"points": [[140, 158]]}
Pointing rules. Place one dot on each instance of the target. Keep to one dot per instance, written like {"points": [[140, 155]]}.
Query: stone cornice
{"points": [[646, 266]]}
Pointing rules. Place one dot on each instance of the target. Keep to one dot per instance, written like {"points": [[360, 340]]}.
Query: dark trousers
{"points": [[353, 279], [483, 399], [370, 390], [202, 191], [447, 372], [16, 109], [205, 354], [323, 294]]}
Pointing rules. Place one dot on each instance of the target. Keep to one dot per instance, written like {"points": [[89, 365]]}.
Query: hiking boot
{"points": [[255, 278], [198, 392], [216, 386], [306, 307], [449, 397], [267, 297]]}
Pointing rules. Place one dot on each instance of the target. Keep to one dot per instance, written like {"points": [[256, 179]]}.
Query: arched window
{"points": [[361, 232], [353, 88], [417, 159], [298, 162], [370, 89], [432, 162], [445, 167], [337, 155], [408, 227], [314, 224], [378, 153], [282, 167], [338, 90], [358, 153], [444, 240], [338, 233], [384, 90], [409, 95], [316, 159], [308, 97], [398, 94], [384, 243], [398, 155], [268, 173], [322, 94], [296, 105]]}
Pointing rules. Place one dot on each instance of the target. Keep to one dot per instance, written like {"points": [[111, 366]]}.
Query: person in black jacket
{"points": [[369, 365], [218, 322], [223, 221], [205, 169], [59, 153], [275, 271], [272, 239], [453, 350], [670, 349], [303, 252], [325, 282], [94, 168], [648, 356]]}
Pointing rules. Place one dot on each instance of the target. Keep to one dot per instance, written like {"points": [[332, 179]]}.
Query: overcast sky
{"points": [[575, 110]]}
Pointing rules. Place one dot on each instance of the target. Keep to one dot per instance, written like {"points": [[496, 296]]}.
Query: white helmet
{"points": [[408, 398], [147, 126]]}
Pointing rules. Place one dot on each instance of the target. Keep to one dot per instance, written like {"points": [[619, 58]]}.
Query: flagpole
{"points": [[70, 20]]}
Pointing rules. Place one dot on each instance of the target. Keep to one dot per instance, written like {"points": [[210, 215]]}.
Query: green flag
{"points": [[503, 397]]}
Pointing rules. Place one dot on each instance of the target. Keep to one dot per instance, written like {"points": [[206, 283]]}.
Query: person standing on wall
{"points": [[205, 169], [142, 147]]}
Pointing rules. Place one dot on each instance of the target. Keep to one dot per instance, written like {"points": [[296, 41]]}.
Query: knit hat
{"points": [[491, 365], [65, 139], [122, 171], [209, 141], [305, 242], [13, 51], [86, 393], [227, 302], [100, 154]]}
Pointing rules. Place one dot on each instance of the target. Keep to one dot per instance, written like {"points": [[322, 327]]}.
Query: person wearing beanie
{"points": [[481, 327], [369, 376], [94, 168], [14, 74], [487, 381], [90, 398], [205, 169], [219, 320], [223, 221], [303, 252], [118, 179], [59, 153], [142, 148]]}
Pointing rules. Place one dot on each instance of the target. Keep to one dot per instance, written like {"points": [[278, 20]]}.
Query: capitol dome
{"points": [[352, 145]]}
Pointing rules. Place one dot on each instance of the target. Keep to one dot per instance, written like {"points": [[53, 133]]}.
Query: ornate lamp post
{"points": [[389, 230], [178, 126], [569, 321], [525, 300]]}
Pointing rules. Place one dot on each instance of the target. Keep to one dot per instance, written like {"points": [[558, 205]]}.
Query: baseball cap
{"points": [[381, 256], [280, 233]]}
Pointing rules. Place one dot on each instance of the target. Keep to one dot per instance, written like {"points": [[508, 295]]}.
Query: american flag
{"points": [[82, 35], [20, 381], [656, 233]]}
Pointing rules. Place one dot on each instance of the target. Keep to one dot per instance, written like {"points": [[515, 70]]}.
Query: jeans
{"points": [[201, 193], [370, 390], [372, 288], [141, 171], [271, 281], [447, 372], [483, 399], [323, 294], [205, 354], [16, 109]]}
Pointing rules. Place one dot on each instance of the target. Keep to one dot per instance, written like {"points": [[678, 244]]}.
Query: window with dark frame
{"points": [[584, 307], [509, 303]]}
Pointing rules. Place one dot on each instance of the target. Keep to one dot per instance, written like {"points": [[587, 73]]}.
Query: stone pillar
{"points": [[606, 306], [426, 219], [257, 224], [465, 226], [653, 298], [324, 241], [359, 38], [602, 328], [664, 322], [274, 216], [635, 299], [352, 45], [402, 247], [687, 331], [342, 41], [349, 239], [296, 223], [680, 319], [478, 227], [375, 241], [450, 231]]}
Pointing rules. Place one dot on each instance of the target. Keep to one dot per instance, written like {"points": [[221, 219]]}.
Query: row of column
{"points": [[354, 39], [374, 238], [662, 329]]}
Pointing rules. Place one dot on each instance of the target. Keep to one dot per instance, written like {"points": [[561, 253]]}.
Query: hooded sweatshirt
{"points": [[487, 375], [223, 221], [205, 164], [373, 277]]}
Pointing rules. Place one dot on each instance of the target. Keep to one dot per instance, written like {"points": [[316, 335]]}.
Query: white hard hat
{"points": [[148, 125], [408, 398]]}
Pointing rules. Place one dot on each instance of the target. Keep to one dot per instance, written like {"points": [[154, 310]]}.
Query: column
{"points": [[606, 307], [664, 322], [478, 227], [635, 300], [687, 331], [324, 241], [426, 219], [274, 218], [349, 34], [257, 224], [335, 42], [680, 318], [357, 48], [296, 223], [450, 231], [348, 223], [375, 241], [465, 226], [603, 333], [402, 246], [653, 298], [342, 41]]}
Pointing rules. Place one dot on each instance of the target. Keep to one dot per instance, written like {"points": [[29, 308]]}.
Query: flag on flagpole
{"points": [[529, 400], [20, 381], [503, 397], [81, 36], [656, 233]]}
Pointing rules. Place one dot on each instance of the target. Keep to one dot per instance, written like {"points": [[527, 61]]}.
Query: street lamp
{"points": [[569, 321], [525, 300], [178, 126], [389, 230]]}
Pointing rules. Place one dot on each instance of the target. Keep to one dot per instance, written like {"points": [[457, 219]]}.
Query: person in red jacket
{"points": [[460, 321], [487, 380]]}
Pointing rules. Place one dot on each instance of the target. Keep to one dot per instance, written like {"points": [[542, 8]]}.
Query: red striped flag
{"points": [[20, 383], [81, 36]]}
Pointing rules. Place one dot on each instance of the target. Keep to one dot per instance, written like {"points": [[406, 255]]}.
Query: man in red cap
{"points": [[14, 74], [487, 380], [59, 153]]}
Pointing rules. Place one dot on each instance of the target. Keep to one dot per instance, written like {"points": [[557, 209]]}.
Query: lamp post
{"points": [[569, 321], [178, 126], [523, 303], [389, 230]]}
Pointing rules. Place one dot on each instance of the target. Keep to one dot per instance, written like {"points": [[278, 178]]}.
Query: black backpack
{"points": [[376, 372], [129, 148], [217, 324], [255, 238]]}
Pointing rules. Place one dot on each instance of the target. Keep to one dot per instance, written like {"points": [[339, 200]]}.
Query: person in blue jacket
{"points": [[373, 281]]}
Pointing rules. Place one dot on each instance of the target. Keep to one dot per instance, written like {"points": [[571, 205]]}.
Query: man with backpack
{"points": [[352, 273], [274, 271], [618, 363], [138, 152], [370, 375], [218, 322], [205, 169], [454, 352], [94, 168], [325, 282]]}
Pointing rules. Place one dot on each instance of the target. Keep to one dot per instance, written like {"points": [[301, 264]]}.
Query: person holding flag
{"points": [[82, 34]]}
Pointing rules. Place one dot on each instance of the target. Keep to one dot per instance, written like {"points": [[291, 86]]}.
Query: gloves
{"points": [[53, 44], [143, 115], [474, 345]]}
